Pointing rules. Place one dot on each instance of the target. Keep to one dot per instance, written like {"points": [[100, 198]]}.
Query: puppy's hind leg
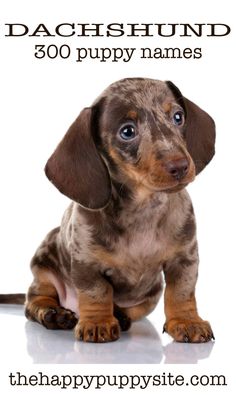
{"points": [[42, 300], [126, 315], [141, 310], [42, 304]]}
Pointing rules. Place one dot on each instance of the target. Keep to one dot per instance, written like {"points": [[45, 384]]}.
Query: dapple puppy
{"points": [[125, 163]]}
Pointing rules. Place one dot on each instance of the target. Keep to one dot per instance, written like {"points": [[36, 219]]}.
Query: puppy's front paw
{"points": [[97, 331], [189, 331]]}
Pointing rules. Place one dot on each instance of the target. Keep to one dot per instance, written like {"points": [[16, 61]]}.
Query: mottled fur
{"points": [[131, 218]]}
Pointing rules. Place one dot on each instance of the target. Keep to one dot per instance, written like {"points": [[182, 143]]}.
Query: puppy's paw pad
{"points": [[189, 331], [66, 319], [97, 332], [58, 318], [49, 315]]}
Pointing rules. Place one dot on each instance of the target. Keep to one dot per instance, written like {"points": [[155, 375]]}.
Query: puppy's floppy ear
{"points": [[76, 167], [199, 131]]}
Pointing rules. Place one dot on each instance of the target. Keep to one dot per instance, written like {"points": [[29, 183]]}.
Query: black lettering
{"points": [[197, 53], [135, 29], [187, 53], [84, 29], [40, 53], [171, 379], [194, 380], [112, 380], [81, 54], [146, 53], [22, 379], [11, 377], [158, 53], [161, 32], [215, 26], [218, 380], [41, 29], [33, 380], [94, 53], [15, 30], [52, 51], [172, 53], [204, 380], [188, 27], [55, 381], [156, 380], [43, 379], [62, 25], [179, 380], [115, 27]]}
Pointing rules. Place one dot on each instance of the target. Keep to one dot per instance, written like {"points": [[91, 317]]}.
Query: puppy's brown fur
{"points": [[131, 218]]}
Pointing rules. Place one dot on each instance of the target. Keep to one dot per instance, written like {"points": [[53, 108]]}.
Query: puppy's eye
{"points": [[178, 118], [127, 132]]}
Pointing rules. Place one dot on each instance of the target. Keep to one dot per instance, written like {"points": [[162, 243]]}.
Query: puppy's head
{"points": [[139, 132]]}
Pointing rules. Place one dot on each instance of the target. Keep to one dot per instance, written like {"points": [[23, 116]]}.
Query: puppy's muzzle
{"points": [[177, 168]]}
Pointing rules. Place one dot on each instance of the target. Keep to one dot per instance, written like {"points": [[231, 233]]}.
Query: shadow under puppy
{"points": [[125, 162]]}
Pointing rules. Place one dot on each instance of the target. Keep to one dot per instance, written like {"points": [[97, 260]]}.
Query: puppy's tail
{"points": [[12, 298]]}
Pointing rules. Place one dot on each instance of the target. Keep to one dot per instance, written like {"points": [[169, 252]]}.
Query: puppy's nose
{"points": [[178, 168]]}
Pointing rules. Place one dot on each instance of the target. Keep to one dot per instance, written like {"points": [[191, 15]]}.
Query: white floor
{"points": [[28, 342]]}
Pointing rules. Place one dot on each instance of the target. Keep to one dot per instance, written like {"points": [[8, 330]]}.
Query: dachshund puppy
{"points": [[125, 163]]}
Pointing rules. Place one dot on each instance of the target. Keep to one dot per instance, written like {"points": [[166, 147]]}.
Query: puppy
{"points": [[125, 163]]}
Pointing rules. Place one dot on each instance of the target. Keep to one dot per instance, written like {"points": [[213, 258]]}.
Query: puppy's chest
{"points": [[133, 264], [142, 245], [135, 242], [140, 248], [145, 235]]}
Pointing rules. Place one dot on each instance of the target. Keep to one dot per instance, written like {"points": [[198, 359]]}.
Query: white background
{"points": [[41, 98]]}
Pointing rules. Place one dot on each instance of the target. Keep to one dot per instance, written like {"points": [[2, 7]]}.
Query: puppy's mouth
{"points": [[168, 186], [168, 189], [169, 176], [176, 188]]}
